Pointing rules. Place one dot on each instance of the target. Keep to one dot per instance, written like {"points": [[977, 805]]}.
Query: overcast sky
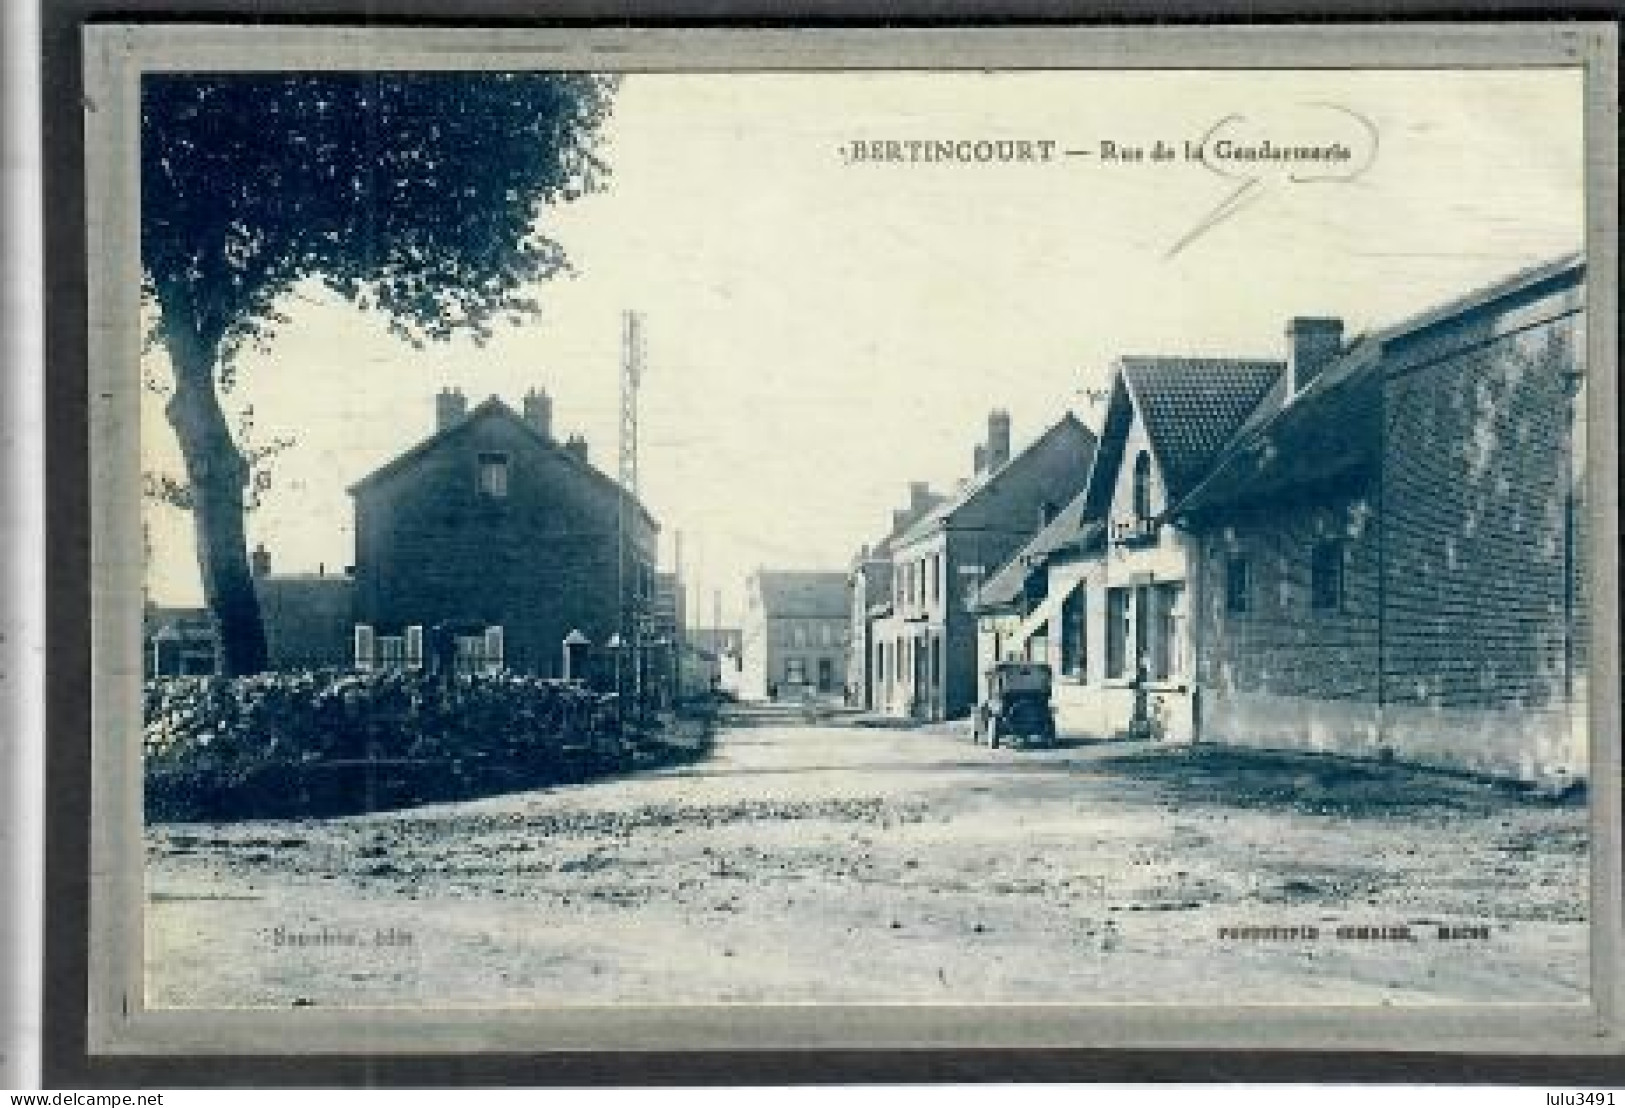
{"points": [[821, 332]]}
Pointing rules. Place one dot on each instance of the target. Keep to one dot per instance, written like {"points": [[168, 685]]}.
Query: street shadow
{"points": [[1321, 784]]}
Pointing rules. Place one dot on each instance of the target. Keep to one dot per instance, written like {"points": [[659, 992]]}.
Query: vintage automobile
{"points": [[1017, 707]]}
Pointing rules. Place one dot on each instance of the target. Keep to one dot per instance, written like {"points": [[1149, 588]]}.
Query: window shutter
{"points": [[414, 647], [493, 648], [364, 652]]}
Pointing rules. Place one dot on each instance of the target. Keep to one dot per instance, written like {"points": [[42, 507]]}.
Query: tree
{"points": [[416, 195]]}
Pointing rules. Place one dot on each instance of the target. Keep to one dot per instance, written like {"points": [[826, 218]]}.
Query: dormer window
{"points": [[1142, 486], [494, 476]]}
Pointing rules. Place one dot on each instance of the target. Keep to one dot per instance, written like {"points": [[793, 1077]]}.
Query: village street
{"points": [[824, 861]]}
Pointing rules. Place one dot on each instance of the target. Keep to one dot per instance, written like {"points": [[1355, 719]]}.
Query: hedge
{"points": [[329, 741]]}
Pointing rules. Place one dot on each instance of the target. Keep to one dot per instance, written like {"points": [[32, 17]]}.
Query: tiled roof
{"points": [[1192, 407], [1330, 431], [803, 594], [494, 406]]}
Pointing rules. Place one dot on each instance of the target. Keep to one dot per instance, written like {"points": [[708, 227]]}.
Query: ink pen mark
{"points": [[1249, 191]]}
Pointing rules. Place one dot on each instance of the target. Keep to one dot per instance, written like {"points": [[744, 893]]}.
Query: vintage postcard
{"points": [[693, 539]]}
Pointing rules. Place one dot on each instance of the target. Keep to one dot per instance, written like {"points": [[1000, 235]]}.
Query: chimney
{"points": [[919, 496], [539, 411], [899, 519], [1312, 343], [577, 446], [998, 438], [979, 457], [259, 561], [450, 405]]}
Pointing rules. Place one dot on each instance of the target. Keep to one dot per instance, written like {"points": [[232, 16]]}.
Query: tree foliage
{"points": [[416, 195]]}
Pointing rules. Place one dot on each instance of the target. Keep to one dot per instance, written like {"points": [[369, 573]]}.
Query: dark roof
{"points": [[1191, 408], [495, 407], [298, 596], [1329, 433], [1068, 531], [804, 594], [973, 490]]}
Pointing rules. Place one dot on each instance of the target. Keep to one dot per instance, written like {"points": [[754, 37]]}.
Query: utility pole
{"points": [[630, 613], [679, 619]]}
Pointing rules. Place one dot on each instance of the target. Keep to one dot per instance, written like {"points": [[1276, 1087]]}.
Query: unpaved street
{"points": [[834, 862]]}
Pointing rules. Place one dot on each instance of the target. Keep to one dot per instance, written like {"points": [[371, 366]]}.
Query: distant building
{"points": [[925, 649], [503, 541], [870, 595], [309, 617], [714, 655], [1102, 594], [178, 641], [793, 642]]}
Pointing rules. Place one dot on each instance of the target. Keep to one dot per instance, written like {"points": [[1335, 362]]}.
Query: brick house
{"points": [[793, 642], [926, 652], [1392, 553], [309, 617], [870, 594], [504, 538], [1102, 594]]}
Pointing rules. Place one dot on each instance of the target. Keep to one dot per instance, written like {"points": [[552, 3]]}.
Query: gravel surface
{"points": [[820, 861]]}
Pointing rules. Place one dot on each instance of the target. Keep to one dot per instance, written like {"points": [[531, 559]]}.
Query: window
{"points": [[1326, 577], [494, 475], [826, 675], [1075, 635], [1238, 584], [798, 635], [795, 671], [365, 651], [1167, 657], [1038, 648], [1142, 485], [936, 661], [1116, 633]]}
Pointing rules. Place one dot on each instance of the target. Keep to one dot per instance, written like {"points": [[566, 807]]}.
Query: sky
{"points": [[822, 330]]}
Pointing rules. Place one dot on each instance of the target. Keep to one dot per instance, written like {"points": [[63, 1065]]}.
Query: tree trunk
{"points": [[218, 475]]}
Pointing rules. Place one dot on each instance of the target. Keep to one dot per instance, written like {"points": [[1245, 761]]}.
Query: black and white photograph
{"points": [[895, 537]]}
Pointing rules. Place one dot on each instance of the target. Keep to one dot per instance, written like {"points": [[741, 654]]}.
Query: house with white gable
{"points": [[1102, 594]]}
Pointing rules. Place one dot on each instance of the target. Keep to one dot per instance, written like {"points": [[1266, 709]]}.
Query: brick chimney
{"points": [[1312, 344], [998, 438], [450, 405], [577, 446], [919, 497], [259, 561], [539, 411]]}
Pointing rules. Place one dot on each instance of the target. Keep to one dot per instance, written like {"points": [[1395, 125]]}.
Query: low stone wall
{"points": [[1543, 746]]}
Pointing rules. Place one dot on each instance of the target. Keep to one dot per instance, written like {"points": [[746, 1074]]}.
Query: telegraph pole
{"points": [[631, 621], [679, 620]]}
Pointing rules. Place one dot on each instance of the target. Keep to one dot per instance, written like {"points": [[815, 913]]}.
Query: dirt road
{"points": [[830, 862]]}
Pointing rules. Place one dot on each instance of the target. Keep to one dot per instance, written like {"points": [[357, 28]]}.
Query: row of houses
{"points": [[490, 541], [1371, 544]]}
